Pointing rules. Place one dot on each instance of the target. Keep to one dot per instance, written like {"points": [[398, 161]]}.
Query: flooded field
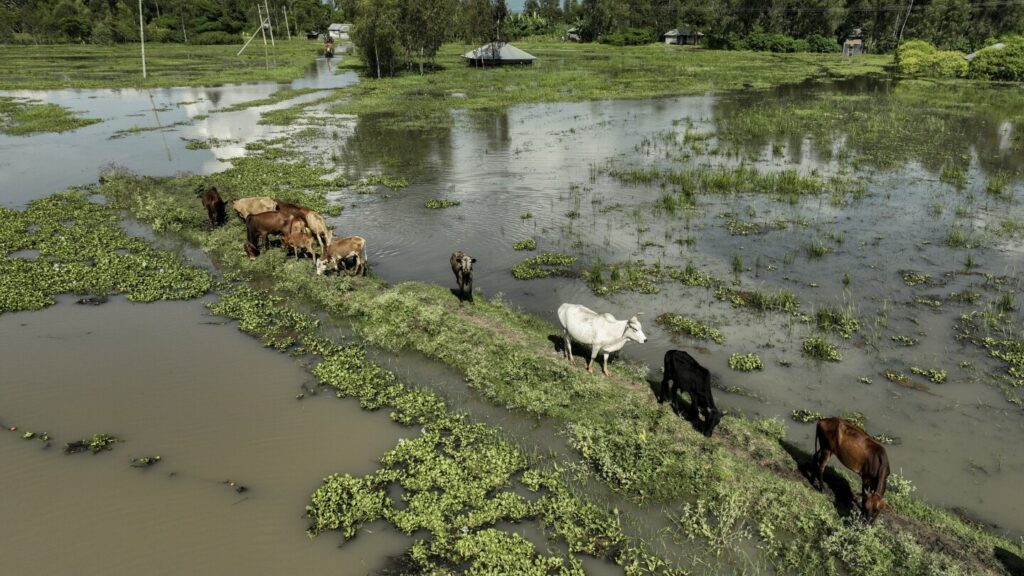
{"points": [[171, 380], [890, 241]]}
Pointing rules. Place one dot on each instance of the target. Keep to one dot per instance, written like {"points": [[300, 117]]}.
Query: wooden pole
{"points": [[257, 31], [287, 27], [263, 28], [142, 37], [270, 24]]}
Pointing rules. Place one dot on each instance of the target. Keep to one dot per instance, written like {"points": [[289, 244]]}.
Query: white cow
{"points": [[602, 332]]}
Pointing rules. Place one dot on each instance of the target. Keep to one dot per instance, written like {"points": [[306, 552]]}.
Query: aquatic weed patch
{"points": [[632, 276], [679, 324], [437, 204], [19, 116], [820, 349], [527, 244], [544, 265], [83, 251], [745, 362]]}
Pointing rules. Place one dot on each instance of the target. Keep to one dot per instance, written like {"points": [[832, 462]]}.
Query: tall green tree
{"points": [[376, 36]]}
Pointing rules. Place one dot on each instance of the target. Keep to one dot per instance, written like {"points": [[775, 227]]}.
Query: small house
{"points": [[854, 44], [339, 31], [498, 54], [684, 36], [996, 46]]}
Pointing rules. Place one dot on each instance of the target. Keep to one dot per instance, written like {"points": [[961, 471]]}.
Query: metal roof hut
{"points": [[498, 54], [684, 35], [854, 44], [973, 55]]}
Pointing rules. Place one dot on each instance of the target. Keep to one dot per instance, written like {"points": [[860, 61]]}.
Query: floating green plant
{"points": [[527, 244], [436, 204], [678, 324], [806, 416], [544, 265], [820, 349], [21, 116], [937, 375], [745, 362]]}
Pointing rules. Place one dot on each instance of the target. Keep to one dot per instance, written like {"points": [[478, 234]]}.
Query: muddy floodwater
{"points": [[173, 381]]}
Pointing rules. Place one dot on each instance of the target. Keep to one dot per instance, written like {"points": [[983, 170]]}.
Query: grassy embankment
{"points": [[738, 491], [120, 66], [20, 116]]}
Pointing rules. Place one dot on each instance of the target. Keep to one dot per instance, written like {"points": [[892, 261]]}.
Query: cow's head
{"points": [[634, 332], [466, 263], [251, 250], [321, 265], [873, 504]]}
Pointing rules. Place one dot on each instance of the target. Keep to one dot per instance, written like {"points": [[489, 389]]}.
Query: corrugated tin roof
{"points": [[996, 46], [496, 51], [682, 31]]}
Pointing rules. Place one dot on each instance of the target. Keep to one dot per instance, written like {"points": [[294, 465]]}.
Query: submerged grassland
{"points": [[731, 495], [20, 116], [566, 72], [88, 66]]}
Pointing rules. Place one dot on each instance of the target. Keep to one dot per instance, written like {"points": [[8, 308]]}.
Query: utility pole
{"points": [[263, 27], [287, 27], [142, 37]]}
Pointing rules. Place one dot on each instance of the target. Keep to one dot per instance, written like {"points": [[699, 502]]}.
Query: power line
{"points": [[887, 8]]}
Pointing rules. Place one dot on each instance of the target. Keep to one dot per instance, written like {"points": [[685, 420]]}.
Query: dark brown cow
{"points": [[859, 452], [259, 226], [462, 267], [214, 205]]}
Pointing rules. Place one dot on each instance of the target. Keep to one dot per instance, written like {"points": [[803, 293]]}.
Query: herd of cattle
{"points": [[298, 227]]}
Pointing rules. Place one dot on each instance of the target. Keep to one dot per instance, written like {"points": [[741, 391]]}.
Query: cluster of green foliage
{"points": [[978, 328], [773, 42], [527, 244], [839, 320], [543, 265], [1000, 64], [806, 416], [181, 21], [937, 375], [679, 324], [820, 349], [19, 116], [82, 250], [633, 276], [920, 58], [745, 362], [437, 204]]}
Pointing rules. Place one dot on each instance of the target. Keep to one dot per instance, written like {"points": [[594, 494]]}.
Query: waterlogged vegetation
{"points": [[625, 439], [21, 116], [437, 204], [49, 66], [573, 72], [745, 362], [82, 250], [544, 265], [679, 324]]}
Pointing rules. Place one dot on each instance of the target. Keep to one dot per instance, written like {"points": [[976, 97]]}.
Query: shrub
{"points": [[912, 55], [948, 64], [919, 58], [1004, 64], [819, 43], [214, 37], [764, 42], [630, 37]]}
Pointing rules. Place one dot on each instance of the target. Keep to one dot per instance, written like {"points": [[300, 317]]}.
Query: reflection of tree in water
{"points": [[881, 122], [377, 146]]}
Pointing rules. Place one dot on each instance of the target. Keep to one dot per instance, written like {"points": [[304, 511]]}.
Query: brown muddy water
{"points": [[172, 381], [958, 442]]}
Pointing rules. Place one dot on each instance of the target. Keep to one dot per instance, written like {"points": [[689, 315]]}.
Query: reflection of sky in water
{"points": [[37, 165]]}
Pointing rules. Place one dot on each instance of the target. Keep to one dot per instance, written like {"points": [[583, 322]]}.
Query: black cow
{"points": [[687, 374]]}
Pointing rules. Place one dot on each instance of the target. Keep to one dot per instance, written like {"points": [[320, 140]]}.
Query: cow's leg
{"points": [[567, 346], [663, 392], [820, 460], [604, 363]]}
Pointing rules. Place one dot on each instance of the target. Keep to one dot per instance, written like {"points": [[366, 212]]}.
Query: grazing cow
{"points": [[349, 251], [314, 221], [259, 226], [859, 452], [602, 332], [684, 372], [462, 266], [253, 205], [214, 205], [298, 240]]}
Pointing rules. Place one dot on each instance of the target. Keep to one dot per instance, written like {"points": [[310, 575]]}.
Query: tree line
{"points": [[410, 30]]}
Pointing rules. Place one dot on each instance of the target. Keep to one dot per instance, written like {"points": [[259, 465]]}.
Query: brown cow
{"points": [[462, 267], [859, 452], [314, 221], [253, 205], [345, 250], [298, 240], [259, 226], [214, 205]]}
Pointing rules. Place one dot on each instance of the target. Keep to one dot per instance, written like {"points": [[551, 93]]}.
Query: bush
{"points": [[764, 42], [1004, 64], [730, 41], [630, 37], [214, 37], [819, 43], [919, 58]]}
